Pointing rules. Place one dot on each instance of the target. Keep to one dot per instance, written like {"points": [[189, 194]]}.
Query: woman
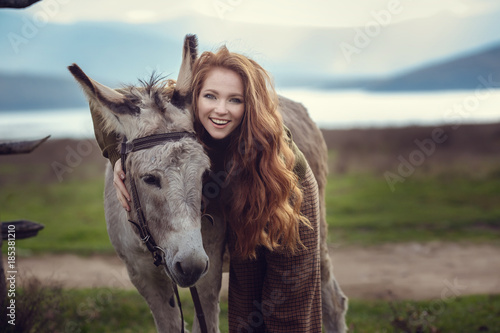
{"points": [[266, 191]]}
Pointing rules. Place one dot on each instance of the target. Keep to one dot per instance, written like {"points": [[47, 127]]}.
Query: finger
{"points": [[120, 186], [121, 193], [123, 201], [118, 171], [121, 198], [118, 178]]}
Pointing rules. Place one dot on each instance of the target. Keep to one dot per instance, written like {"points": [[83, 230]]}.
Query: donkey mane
{"points": [[158, 87], [157, 96]]}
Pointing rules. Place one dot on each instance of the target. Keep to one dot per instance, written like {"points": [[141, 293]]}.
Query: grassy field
{"points": [[361, 209], [452, 196], [101, 310], [71, 211]]}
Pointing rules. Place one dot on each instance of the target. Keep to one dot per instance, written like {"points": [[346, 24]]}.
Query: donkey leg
{"points": [[334, 302], [156, 288], [209, 285]]}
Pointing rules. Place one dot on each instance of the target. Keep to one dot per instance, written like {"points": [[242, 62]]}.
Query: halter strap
{"points": [[153, 140], [149, 142]]}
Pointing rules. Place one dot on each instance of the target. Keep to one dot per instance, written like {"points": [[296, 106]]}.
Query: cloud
{"points": [[141, 16], [318, 13], [70, 11]]}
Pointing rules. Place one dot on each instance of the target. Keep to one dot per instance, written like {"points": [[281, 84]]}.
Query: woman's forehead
{"points": [[223, 80]]}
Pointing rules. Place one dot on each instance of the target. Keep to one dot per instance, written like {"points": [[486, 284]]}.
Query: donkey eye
{"points": [[151, 180]]}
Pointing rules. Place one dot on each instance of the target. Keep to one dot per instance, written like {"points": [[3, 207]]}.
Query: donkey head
{"points": [[168, 177]]}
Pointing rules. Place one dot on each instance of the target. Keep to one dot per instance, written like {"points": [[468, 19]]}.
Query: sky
{"points": [[320, 13], [282, 31], [390, 51]]}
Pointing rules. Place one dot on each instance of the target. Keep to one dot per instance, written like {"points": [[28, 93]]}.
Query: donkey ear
{"points": [[114, 104], [181, 95]]}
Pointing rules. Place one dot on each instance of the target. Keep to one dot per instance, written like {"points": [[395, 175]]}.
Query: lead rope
{"points": [[199, 311], [197, 305], [176, 292]]}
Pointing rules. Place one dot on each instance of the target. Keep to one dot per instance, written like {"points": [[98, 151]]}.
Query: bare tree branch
{"points": [[16, 3]]}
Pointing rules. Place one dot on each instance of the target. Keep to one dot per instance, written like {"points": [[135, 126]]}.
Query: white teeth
{"points": [[219, 122]]}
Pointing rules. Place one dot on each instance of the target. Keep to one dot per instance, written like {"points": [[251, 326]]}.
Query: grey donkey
{"points": [[169, 182]]}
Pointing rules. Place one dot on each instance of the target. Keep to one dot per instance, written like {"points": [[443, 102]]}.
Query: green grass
{"points": [[463, 314], [111, 310], [100, 310], [106, 310], [71, 211], [362, 209]]}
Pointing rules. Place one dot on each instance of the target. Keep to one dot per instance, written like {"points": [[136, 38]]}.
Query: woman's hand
{"points": [[121, 190]]}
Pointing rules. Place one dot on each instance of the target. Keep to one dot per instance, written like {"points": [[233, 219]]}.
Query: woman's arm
{"points": [[279, 292], [292, 286]]}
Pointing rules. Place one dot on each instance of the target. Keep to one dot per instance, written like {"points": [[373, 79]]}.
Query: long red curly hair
{"points": [[265, 195]]}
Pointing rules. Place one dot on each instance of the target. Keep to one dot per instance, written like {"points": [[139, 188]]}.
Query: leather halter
{"points": [[136, 145], [142, 226]]}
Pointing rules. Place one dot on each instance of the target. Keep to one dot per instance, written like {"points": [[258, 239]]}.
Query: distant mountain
{"points": [[481, 69], [34, 58], [110, 52], [38, 92], [114, 52]]}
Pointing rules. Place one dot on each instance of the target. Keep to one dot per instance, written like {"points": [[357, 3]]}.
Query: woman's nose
{"points": [[221, 108]]}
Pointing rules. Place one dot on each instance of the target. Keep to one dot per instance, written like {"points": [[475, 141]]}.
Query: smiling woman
{"points": [[221, 103]]}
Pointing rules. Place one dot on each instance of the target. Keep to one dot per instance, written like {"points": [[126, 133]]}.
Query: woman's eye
{"points": [[209, 96], [236, 100], [152, 180]]}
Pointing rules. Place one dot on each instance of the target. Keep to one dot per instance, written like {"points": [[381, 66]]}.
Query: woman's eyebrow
{"points": [[236, 94]]}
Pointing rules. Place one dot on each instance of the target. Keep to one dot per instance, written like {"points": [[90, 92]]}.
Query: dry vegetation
{"points": [[468, 149], [471, 149]]}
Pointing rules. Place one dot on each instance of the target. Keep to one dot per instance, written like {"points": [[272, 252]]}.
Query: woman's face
{"points": [[220, 103]]}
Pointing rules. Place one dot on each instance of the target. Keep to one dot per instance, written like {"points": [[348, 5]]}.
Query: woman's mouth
{"points": [[219, 122]]}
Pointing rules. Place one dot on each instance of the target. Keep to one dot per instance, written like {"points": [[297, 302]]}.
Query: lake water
{"points": [[330, 109]]}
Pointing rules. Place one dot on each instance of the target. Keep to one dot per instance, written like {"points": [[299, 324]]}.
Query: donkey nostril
{"points": [[178, 267]]}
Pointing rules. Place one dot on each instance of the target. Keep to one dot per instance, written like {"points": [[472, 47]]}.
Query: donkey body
{"points": [[311, 143], [169, 182]]}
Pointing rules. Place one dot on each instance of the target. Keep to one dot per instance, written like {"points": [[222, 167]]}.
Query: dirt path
{"points": [[403, 271]]}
